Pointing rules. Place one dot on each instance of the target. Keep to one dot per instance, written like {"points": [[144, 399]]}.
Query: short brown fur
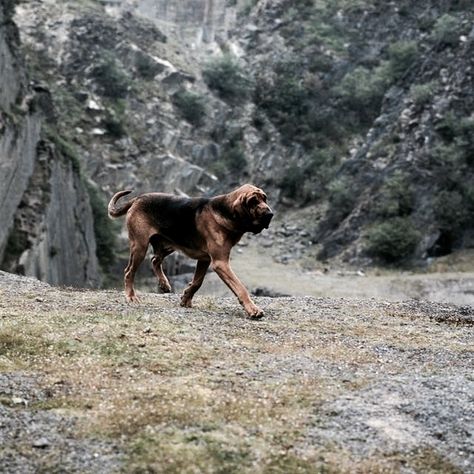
{"points": [[204, 229]]}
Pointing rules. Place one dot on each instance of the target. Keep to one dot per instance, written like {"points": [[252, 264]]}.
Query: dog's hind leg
{"points": [[160, 252], [199, 274], [137, 255]]}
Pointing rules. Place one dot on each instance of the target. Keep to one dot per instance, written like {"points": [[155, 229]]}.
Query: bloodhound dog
{"points": [[204, 229]]}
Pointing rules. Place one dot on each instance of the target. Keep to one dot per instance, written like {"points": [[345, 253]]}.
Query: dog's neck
{"points": [[228, 219]]}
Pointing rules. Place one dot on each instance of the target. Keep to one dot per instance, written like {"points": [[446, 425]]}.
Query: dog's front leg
{"points": [[222, 267], [190, 290]]}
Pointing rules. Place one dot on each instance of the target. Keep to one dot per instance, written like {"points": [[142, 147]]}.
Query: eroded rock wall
{"points": [[19, 130], [47, 226]]}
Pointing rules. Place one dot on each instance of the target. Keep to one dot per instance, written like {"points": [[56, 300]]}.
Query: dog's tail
{"points": [[121, 210]]}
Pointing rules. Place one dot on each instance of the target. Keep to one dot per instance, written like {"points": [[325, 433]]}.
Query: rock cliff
{"points": [[47, 225]]}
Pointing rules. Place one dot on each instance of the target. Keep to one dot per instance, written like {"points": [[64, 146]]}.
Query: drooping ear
{"points": [[252, 200], [238, 204]]}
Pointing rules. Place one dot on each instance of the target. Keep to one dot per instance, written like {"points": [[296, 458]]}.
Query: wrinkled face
{"points": [[256, 209]]}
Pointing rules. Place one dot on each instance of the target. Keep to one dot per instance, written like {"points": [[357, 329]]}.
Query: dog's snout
{"points": [[267, 217]]}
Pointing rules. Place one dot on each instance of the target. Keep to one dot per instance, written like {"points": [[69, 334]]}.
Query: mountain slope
{"points": [[359, 110]]}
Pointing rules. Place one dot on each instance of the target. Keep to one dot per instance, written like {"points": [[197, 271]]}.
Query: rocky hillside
{"points": [[359, 111], [47, 221], [379, 98]]}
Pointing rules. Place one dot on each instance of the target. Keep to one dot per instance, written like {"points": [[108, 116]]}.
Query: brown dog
{"points": [[205, 229]]}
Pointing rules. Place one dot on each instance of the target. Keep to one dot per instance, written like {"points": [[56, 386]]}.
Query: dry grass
{"points": [[206, 390]]}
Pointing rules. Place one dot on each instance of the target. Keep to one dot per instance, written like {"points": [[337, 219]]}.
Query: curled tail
{"points": [[121, 210]]}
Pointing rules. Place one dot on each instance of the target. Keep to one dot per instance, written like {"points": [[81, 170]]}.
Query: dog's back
{"points": [[173, 217]]}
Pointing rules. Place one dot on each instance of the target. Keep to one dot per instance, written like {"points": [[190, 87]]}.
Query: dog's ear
{"points": [[238, 205], [251, 200]]}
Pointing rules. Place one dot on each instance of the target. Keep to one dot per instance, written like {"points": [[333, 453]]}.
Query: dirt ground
{"points": [[89, 384]]}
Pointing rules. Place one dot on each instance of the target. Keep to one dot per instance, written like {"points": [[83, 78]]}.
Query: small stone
{"points": [[40, 443], [18, 401]]}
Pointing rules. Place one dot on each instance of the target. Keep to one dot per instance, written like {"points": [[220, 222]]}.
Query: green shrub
{"points": [[308, 181], [465, 138], [327, 33], [247, 6], [393, 240], [114, 125], [447, 127], [226, 77], [402, 56], [458, 132], [450, 210], [341, 198], [446, 30], [65, 148], [361, 88], [146, 66], [113, 82], [289, 103], [396, 197], [232, 160], [292, 183], [286, 103], [421, 94], [191, 106], [322, 164]]}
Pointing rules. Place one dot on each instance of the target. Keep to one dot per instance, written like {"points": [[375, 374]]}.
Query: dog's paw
{"points": [[165, 288], [133, 299], [186, 303], [256, 313]]}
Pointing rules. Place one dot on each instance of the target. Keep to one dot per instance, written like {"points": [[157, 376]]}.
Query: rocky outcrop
{"points": [[54, 224], [47, 225], [198, 23], [19, 128]]}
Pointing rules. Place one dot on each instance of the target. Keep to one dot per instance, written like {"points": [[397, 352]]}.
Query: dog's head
{"points": [[250, 205]]}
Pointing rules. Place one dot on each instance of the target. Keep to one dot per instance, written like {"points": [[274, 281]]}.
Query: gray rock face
{"points": [[17, 158], [63, 246], [199, 22], [47, 224], [19, 130]]}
